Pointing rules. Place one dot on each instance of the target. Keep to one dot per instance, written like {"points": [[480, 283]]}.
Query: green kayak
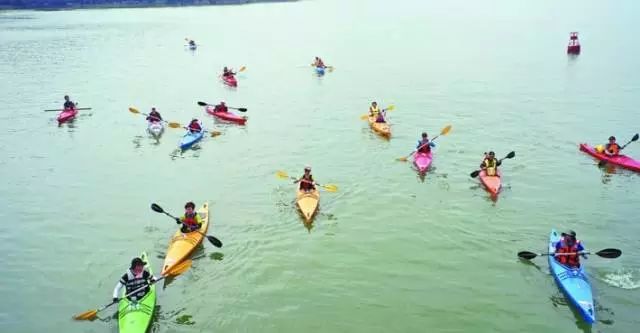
{"points": [[135, 317]]}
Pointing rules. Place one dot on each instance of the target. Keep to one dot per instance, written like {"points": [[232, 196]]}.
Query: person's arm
{"points": [[498, 163], [116, 290], [482, 166]]}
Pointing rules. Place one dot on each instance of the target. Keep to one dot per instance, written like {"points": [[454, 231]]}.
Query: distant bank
{"points": [[74, 4]]}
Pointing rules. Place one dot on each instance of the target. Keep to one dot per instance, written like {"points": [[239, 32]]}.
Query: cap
{"points": [[308, 167], [136, 262], [569, 233], [491, 153]]}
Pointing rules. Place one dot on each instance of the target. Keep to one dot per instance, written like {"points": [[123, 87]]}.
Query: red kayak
{"points": [[230, 81], [620, 160], [491, 183], [228, 116], [67, 115]]}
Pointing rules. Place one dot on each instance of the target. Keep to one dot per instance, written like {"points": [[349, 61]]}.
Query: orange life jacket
{"points": [[569, 260], [613, 148], [190, 220]]}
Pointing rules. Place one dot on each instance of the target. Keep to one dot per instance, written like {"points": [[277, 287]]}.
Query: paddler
{"points": [[424, 145], [135, 277], [154, 116], [373, 109], [569, 244], [490, 164], [194, 126], [319, 63], [612, 148], [227, 72], [222, 107], [306, 181], [68, 104], [192, 43], [191, 220]]}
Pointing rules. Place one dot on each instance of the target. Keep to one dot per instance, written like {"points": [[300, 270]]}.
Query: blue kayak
{"points": [[320, 70], [190, 139], [573, 282]]}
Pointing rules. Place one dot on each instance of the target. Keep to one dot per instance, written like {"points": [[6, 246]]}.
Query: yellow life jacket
{"points": [[490, 166], [374, 111]]}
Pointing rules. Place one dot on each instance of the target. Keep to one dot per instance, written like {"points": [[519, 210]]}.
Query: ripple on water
{"points": [[623, 278]]}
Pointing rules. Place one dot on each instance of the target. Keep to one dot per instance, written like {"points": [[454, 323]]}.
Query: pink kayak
{"points": [[491, 183], [67, 115], [230, 81], [422, 161], [228, 116], [620, 160]]}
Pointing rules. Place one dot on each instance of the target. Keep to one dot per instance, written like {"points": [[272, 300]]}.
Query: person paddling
{"points": [[68, 104], [135, 277], [191, 220], [192, 43], [319, 63], [490, 164], [222, 107], [612, 148], [569, 244], [194, 126], [154, 116], [424, 145], [306, 181], [373, 109], [226, 72]]}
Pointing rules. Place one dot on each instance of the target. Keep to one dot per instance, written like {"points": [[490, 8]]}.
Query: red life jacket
{"points": [[221, 108], [190, 220], [195, 127], [613, 148], [569, 260], [307, 184], [425, 147]]}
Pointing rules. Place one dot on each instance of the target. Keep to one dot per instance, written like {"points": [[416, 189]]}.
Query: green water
{"points": [[389, 251]]}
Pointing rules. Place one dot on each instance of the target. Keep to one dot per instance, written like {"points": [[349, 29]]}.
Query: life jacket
{"points": [[69, 105], [190, 220], [154, 116], [613, 148], [569, 260], [374, 111], [131, 283], [490, 166], [221, 108], [195, 127], [424, 146], [307, 183]]}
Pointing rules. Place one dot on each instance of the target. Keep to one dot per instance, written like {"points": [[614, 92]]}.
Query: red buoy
{"points": [[574, 44]]}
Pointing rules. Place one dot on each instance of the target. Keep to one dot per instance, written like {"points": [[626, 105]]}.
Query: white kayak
{"points": [[155, 129]]}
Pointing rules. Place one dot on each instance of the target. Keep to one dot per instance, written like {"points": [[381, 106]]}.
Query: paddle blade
{"points": [[609, 253], [134, 110], [156, 208], [242, 69], [281, 174], [330, 188], [179, 268], [202, 103], [215, 133], [445, 130], [175, 125], [511, 155], [390, 107], [635, 137], [242, 109], [527, 255], [88, 315], [402, 159], [475, 174], [216, 242], [364, 117]]}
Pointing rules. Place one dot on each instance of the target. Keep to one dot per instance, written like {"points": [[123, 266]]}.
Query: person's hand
{"points": [[116, 300], [178, 221]]}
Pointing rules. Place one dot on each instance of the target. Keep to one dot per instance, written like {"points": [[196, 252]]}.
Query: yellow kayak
{"points": [[308, 203], [381, 128], [181, 245]]}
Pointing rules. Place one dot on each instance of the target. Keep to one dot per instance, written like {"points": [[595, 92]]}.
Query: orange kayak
{"points": [[381, 128], [308, 203], [491, 183], [181, 245]]}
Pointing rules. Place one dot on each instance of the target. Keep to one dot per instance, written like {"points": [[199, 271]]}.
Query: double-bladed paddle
{"points": [[444, 131], [329, 187], [216, 242], [510, 155], [207, 104], [388, 108], [606, 253], [175, 270], [634, 138], [64, 109]]}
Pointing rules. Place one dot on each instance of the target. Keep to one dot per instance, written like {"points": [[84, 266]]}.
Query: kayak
{"points": [[491, 183], [573, 282], [190, 139], [308, 203], [155, 128], [228, 116], [193, 47], [135, 317], [422, 161], [230, 80], [381, 128], [320, 70], [620, 160], [67, 115], [181, 245]]}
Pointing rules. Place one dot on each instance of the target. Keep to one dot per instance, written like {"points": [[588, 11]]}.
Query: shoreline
{"points": [[71, 5]]}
